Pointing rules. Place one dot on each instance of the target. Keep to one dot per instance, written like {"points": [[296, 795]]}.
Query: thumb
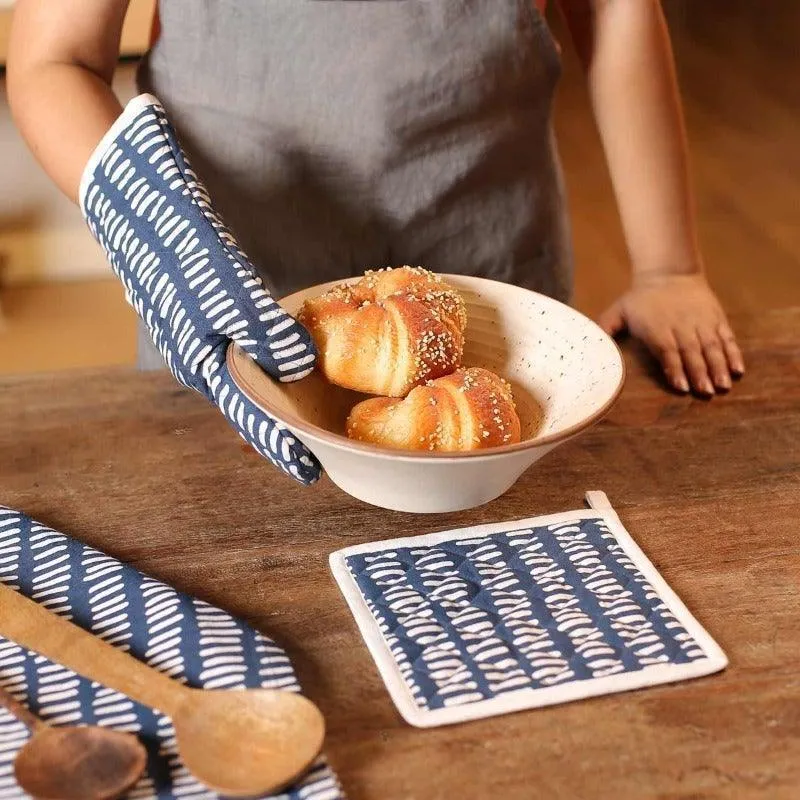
{"points": [[274, 338], [612, 320]]}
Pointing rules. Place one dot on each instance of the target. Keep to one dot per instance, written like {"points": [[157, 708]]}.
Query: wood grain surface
{"points": [[147, 471]]}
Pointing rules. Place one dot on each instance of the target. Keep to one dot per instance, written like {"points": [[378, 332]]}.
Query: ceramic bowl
{"points": [[565, 373]]}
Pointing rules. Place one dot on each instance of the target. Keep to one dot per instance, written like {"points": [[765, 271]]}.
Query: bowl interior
{"points": [[564, 370]]}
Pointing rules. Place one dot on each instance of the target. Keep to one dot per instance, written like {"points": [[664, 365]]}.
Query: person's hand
{"points": [[189, 281], [681, 322]]}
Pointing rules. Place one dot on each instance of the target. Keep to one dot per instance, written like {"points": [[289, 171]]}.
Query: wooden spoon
{"points": [[72, 763], [241, 743]]}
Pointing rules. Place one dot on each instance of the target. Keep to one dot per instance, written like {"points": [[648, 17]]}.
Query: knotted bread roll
{"points": [[470, 409], [389, 332]]}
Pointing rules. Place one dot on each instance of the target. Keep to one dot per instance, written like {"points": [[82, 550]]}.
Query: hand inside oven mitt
{"points": [[186, 277]]}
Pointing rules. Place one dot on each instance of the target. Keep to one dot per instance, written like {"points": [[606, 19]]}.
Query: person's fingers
{"points": [[612, 320], [694, 362], [280, 344], [716, 361], [673, 369], [665, 349], [731, 348]]}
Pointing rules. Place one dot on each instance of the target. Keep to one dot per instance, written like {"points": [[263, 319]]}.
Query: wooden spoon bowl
{"points": [[240, 741], [88, 763]]}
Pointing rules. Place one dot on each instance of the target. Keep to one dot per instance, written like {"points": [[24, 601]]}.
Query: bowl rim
{"points": [[298, 426]]}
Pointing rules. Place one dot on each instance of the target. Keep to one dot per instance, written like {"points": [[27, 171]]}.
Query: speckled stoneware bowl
{"points": [[564, 371]]}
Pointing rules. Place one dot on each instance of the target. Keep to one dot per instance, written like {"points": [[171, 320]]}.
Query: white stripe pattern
{"points": [[445, 666], [108, 604], [13, 734], [187, 278], [564, 607], [546, 664], [619, 609], [164, 620], [276, 669], [220, 648], [686, 642], [57, 687], [51, 570]]}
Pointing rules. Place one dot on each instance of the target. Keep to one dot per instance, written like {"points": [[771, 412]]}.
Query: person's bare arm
{"points": [[636, 104], [625, 48], [61, 59]]}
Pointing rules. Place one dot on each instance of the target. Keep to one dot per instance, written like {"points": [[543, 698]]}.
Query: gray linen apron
{"points": [[340, 135]]}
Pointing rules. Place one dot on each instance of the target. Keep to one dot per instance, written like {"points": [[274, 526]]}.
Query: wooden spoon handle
{"points": [[31, 625], [23, 714]]}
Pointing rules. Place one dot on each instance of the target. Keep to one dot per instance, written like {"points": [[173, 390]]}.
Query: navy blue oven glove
{"points": [[187, 278]]}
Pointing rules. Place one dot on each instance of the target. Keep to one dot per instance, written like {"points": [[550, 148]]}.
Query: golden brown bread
{"points": [[389, 332], [470, 409]]}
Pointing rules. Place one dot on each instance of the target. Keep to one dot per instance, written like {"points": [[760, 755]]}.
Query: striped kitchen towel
{"points": [[498, 618], [188, 639]]}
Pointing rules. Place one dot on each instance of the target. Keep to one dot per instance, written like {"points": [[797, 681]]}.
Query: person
{"points": [[321, 139]]}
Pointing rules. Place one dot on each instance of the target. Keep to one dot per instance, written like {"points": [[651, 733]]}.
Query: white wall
{"points": [[42, 235]]}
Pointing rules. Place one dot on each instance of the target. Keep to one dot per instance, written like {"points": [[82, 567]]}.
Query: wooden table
{"points": [[145, 470]]}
